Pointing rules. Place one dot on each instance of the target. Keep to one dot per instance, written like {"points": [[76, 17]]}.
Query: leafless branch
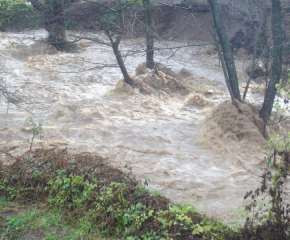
{"points": [[104, 5], [102, 65], [172, 49], [96, 40], [12, 97]]}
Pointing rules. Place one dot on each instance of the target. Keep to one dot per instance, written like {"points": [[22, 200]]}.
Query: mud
{"points": [[228, 128]]}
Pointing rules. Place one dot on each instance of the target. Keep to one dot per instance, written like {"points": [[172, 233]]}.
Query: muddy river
{"points": [[175, 142]]}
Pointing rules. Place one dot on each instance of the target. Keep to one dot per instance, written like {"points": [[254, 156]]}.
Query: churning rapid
{"points": [[190, 147]]}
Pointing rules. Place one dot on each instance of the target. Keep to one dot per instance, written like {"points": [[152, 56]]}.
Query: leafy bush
{"points": [[269, 206], [17, 15], [87, 187]]}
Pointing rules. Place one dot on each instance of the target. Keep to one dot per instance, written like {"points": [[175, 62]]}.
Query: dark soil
{"points": [[179, 22]]}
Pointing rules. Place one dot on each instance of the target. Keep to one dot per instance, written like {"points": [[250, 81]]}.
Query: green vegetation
{"points": [[94, 198], [83, 197], [269, 208], [17, 15], [43, 223]]}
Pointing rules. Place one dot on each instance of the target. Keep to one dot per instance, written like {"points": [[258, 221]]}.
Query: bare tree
{"points": [[276, 54], [115, 17], [259, 42], [275, 75], [227, 55], [149, 35], [12, 96]]}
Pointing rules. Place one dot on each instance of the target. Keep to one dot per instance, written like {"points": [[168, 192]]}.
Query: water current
{"points": [[164, 138]]}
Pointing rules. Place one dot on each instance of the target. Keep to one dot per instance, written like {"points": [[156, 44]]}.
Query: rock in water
{"points": [[258, 70]]}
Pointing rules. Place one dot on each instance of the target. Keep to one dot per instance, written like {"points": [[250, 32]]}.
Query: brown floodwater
{"points": [[190, 151]]}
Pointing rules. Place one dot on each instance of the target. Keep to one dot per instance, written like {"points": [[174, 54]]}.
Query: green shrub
{"points": [[269, 209], [17, 15], [105, 198]]}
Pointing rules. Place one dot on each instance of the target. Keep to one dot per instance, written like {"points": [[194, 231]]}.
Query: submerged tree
{"points": [[52, 12], [113, 23], [227, 55], [276, 55], [149, 35], [257, 42], [276, 67]]}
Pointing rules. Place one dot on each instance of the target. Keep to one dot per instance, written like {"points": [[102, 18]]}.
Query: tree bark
{"points": [[275, 75], [257, 39], [115, 44], [226, 49], [149, 35], [54, 22], [121, 64]]}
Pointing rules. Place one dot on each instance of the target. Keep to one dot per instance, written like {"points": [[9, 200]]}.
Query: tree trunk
{"points": [[275, 75], [257, 40], [226, 49], [115, 43], [224, 70], [54, 22], [149, 35], [121, 64]]}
